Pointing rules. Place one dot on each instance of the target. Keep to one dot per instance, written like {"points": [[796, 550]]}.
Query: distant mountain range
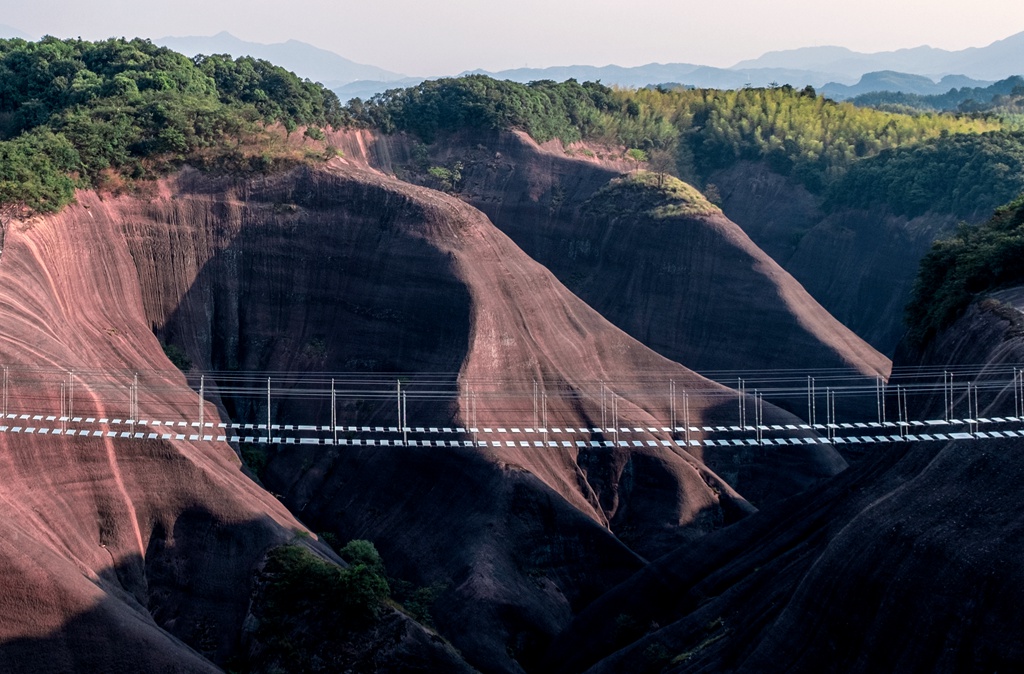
{"points": [[838, 72], [654, 73], [997, 61], [638, 76], [305, 60]]}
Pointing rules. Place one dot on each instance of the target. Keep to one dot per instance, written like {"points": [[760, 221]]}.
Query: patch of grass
{"points": [[656, 196]]}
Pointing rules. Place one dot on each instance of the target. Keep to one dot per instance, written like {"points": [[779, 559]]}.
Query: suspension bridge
{"points": [[373, 410]]}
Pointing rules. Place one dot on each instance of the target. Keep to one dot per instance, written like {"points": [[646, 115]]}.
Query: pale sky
{"points": [[428, 37]]}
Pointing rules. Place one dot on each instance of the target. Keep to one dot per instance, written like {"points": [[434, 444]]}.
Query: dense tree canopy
{"points": [[957, 270], [569, 111], [965, 99], [801, 134], [965, 175], [72, 110]]}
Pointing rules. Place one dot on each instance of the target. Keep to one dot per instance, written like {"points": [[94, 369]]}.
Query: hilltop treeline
{"points": [[545, 109], [73, 112], [76, 113], [798, 132], [975, 260]]}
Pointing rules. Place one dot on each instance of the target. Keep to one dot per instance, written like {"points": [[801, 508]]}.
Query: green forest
{"points": [[966, 175], [695, 131], [77, 114], [958, 269]]}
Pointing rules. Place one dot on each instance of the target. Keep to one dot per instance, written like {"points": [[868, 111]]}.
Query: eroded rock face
{"points": [[117, 555], [341, 269], [693, 288], [906, 562], [88, 520], [387, 275]]}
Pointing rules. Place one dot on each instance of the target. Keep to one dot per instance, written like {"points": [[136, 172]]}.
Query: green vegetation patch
{"points": [[544, 109], [649, 194], [797, 132], [688, 132], [307, 610], [1005, 96], [87, 114], [957, 270], [966, 175], [178, 357], [297, 582]]}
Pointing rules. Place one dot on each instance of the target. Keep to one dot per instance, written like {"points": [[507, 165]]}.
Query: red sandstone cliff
{"points": [[692, 287], [384, 276]]}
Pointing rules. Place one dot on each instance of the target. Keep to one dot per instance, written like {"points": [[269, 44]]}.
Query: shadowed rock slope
{"points": [[346, 269], [116, 555], [860, 264], [685, 280], [906, 562]]}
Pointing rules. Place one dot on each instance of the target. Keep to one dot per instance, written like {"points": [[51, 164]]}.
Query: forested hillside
{"points": [[965, 175], [693, 131], [76, 113], [974, 261]]}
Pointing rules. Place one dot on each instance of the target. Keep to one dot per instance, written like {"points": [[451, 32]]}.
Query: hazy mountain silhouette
{"points": [[305, 60], [655, 73], [888, 80], [994, 62], [837, 71], [366, 88], [10, 31]]}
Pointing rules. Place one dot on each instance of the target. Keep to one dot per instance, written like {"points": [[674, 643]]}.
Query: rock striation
{"points": [[388, 276]]}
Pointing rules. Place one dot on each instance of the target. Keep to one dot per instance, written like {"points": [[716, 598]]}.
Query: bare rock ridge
{"points": [[691, 286], [921, 534], [387, 275]]}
